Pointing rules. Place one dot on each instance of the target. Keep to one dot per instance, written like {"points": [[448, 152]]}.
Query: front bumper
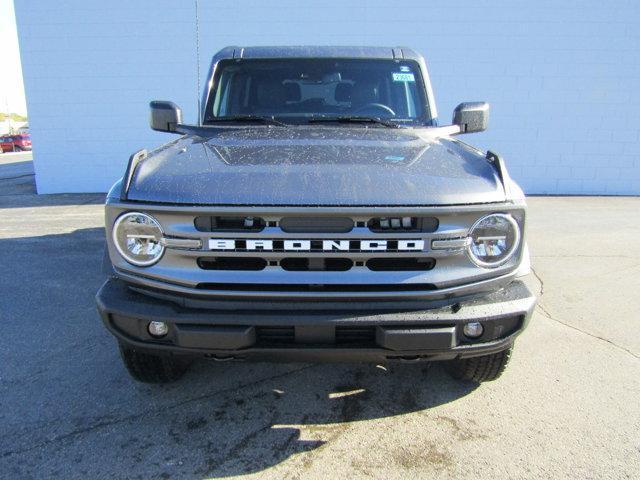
{"points": [[284, 332]]}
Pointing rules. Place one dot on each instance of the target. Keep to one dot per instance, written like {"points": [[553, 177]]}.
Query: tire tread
{"points": [[149, 368], [481, 369]]}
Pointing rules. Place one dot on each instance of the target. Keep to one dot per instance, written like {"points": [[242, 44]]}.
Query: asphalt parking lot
{"points": [[567, 407]]}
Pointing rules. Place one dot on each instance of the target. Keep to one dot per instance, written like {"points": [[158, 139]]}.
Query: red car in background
{"points": [[21, 142], [6, 144]]}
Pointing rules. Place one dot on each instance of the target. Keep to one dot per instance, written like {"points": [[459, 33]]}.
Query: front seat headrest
{"points": [[270, 94], [343, 92], [292, 92]]}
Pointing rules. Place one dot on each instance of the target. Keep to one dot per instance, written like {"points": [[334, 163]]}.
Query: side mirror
{"points": [[164, 116], [471, 116]]}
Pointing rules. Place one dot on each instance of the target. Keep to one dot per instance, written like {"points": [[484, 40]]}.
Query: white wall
{"points": [[562, 77]]}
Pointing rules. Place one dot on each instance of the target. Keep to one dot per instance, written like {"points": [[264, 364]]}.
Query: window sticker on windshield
{"points": [[403, 77], [404, 68]]}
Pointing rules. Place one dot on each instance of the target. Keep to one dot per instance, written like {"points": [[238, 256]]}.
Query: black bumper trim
{"points": [[401, 334]]}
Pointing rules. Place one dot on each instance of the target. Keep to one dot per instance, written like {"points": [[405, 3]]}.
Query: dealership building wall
{"points": [[562, 78]]}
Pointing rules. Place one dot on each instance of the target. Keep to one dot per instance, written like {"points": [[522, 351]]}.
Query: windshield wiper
{"points": [[356, 119], [247, 118]]}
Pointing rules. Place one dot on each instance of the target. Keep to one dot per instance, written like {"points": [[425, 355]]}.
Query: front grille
{"points": [[403, 224], [230, 263], [305, 244], [400, 264], [316, 264], [344, 253], [277, 336], [286, 287], [316, 224], [345, 336], [228, 223], [355, 336]]}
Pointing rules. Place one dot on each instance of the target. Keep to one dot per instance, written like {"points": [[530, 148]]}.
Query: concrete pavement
{"points": [[16, 173], [567, 407]]}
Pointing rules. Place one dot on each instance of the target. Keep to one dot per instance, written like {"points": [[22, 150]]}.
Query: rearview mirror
{"points": [[164, 116], [471, 116]]}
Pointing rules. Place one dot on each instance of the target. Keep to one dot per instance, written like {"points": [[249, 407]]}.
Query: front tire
{"points": [[480, 369], [149, 368]]}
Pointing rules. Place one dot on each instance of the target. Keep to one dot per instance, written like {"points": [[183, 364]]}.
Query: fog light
{"points": [[473, 329], [159, 329]]}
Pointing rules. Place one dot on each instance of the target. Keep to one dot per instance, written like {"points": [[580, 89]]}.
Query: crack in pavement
{"points": [[593, 335], [541, 292], [548, 315], [154, 412]]}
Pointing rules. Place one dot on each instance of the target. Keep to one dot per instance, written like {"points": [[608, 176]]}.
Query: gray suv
{"points": [[317, 211]]}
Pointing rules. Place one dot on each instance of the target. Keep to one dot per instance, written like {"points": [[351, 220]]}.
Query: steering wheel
{"points": [[375, 106]]}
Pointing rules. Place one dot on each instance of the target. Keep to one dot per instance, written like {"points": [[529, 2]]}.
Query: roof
{"points": [[318, 52]]}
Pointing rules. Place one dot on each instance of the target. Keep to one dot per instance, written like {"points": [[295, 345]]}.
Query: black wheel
{"points": [[148, 368], [480, 369]]}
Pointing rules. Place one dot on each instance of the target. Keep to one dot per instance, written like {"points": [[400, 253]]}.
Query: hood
{"points": [[316, 165]]}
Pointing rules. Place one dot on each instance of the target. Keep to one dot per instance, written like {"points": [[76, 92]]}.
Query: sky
{"points": [[11, 84]]}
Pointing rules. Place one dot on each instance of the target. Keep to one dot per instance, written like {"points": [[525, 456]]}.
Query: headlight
{"points": [[493, 240], [137, 238]]}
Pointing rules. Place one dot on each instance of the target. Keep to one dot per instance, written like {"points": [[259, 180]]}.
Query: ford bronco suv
{"points": [[316, 211]]}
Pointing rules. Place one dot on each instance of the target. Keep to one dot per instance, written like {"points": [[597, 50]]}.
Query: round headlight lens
{"points": [[137, 238], [493, 240]]}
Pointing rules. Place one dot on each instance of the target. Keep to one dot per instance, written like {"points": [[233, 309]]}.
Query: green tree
{"points": [[12, 116]]}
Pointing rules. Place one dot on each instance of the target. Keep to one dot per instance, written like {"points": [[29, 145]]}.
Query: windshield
{"points": [[299, 90]]}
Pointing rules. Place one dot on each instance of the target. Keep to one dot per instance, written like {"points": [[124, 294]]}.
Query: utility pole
{"points": [[7, 119]]}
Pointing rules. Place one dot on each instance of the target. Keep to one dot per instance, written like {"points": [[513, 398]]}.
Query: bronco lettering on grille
{"points": [[304, 245]]}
